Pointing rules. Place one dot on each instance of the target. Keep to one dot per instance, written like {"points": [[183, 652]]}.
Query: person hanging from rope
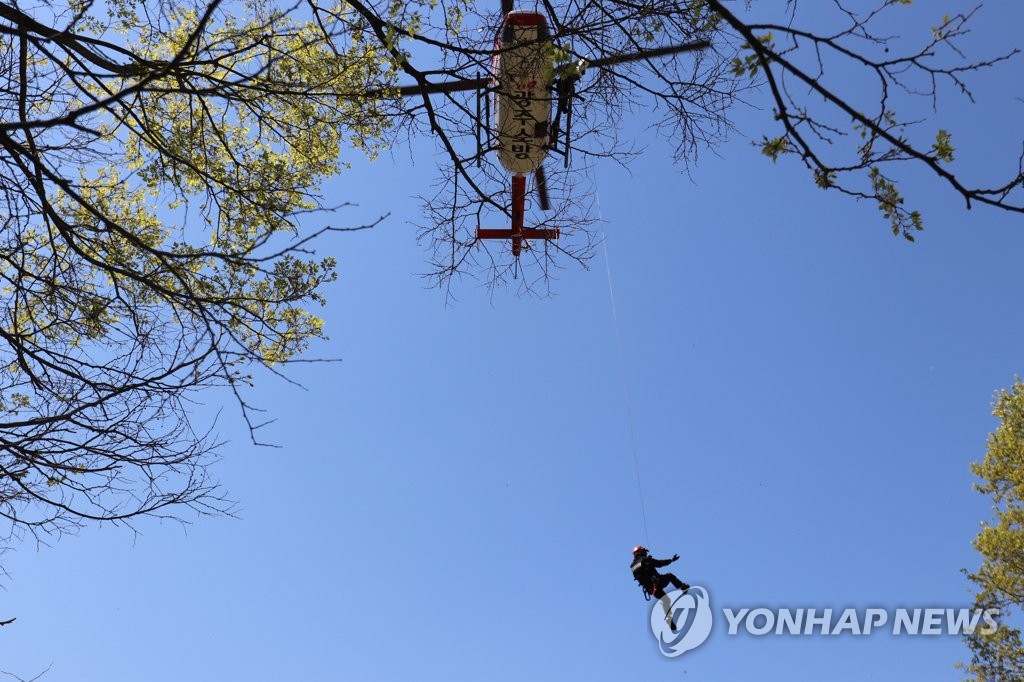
{"points": [[645, 571]]}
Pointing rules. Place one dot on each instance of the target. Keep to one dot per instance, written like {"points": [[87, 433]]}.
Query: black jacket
{"points": [[645, 569]]}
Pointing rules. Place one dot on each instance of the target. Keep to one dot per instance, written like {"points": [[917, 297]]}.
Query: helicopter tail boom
{"points": [[518, 233]]}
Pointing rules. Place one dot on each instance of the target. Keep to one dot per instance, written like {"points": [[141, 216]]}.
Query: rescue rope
{"points": [[625, 383]]}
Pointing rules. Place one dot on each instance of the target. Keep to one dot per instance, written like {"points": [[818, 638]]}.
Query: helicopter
{"points": [[523, 86]]}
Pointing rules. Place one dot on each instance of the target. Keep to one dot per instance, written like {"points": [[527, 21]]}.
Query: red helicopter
{"points": [[522, 82]]}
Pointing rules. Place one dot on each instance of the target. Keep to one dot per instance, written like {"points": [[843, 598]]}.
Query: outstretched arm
{"points": [[664, 562]]}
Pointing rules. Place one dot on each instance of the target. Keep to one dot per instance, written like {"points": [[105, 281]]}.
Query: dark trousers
{"points": [[663, 581]]}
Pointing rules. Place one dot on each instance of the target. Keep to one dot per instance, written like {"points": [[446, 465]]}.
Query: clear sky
{"points": [[458, 497]]}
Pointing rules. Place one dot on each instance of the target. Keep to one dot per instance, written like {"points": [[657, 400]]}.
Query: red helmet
{"points": [[639, 550]]}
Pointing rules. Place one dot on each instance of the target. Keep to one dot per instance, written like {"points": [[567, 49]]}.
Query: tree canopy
{"points": [[157, 161], [163, 166], [999, 656]]}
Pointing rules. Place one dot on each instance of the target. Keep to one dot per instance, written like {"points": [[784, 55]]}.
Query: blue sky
{"points": [[458, 497]]}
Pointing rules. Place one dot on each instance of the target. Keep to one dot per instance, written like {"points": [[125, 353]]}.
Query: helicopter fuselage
{"points": [[522, 72]]}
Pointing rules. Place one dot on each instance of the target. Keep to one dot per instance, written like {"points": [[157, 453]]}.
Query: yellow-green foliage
{"points": [[999, 657], [219, 131], [1002, 474]]}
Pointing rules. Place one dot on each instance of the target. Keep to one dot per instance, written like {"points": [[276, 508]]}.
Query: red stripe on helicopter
{"points": [[525, 19]]}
